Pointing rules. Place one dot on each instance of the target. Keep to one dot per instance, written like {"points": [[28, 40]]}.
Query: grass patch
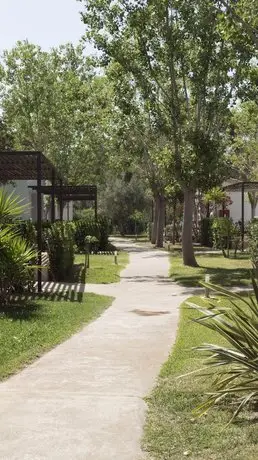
{"points": [[227, 272], [103, 269], [171, 431], [27, 330]]}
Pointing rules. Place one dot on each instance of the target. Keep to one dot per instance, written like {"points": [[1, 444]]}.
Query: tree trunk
{"points": [[155, 221], [253, 200], [187, 239], [160, 222], [174, 222]]}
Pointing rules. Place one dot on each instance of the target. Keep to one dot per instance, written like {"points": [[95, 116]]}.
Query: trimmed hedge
{"points": [[60, 246], [206, 232], [88, 227]]}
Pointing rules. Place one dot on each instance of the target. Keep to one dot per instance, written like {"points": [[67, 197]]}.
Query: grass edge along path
{"points": [[171, 430], [29, 330], [226, 272], [103, 269]]}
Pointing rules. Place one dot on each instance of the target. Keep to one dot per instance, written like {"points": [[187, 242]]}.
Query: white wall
{"points": [[235, 208], [20, 189], [29, 198]]}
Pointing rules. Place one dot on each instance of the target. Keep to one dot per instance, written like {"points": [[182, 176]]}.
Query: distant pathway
{"points": [[84, 399]]}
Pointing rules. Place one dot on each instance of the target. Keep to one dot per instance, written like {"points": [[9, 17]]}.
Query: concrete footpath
{"points": [[84, 399]]}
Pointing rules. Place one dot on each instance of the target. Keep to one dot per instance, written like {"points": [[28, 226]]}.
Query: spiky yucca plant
{"points": [[16, 255], [233, 368]]}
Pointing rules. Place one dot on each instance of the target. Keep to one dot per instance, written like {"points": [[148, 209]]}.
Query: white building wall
{"points": [[29, 198], [235, 208]]}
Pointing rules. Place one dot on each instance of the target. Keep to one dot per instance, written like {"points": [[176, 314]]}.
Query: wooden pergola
{"points": [[242, 187], [33, 165], [30, 165], [66, 193]]}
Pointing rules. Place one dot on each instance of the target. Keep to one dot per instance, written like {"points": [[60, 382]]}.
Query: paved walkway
{"points": [[84, 399]]}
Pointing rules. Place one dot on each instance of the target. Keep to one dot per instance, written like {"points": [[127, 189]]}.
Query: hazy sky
{"points": [[44, 22]]}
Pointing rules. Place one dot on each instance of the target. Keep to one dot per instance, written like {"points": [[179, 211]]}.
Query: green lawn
{"points": [[30, 329], [227, 272], [103, 269], [171, 430]]}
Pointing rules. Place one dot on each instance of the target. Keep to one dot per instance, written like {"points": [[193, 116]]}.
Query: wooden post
{"points": [[39, 220], [53, 217], [61, 204], [96, 207], [243, 215]]}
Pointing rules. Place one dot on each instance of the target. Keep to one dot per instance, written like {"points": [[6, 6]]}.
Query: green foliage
{"points": [[206, 232], [253, 243], [54, 102], [233, 368], [89, 228], [244, 146], [16, 254], [121, 199], [82, 213], [216, 194], [60, 245], [27, 230], [11, 207], [226, 234], [16, 274]]}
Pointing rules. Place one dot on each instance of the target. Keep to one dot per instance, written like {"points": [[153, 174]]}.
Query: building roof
{"points": [[238, 186]]}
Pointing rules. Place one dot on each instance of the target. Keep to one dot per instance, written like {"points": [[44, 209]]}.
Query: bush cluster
{"points": [[60, 246]]}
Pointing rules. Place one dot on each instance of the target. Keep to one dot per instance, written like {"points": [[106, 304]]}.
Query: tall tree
{"points": [[244, 147], [54, 102], [181, 65]]}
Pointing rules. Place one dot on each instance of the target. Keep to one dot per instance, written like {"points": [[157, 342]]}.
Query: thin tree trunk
{"points": [[155, 221], [187, 238], [161, 222], [253, 199], [174, 221]]}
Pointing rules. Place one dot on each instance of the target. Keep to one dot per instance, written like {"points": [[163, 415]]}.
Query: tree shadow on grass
{"points": [[23, 311], [227, 277]]}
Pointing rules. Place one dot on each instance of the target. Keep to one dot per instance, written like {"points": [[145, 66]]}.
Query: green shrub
{"points": [[88, 227], [60, 245], [206, 232], [27, 230], [226, 235], [253, 242], [233, 368]]}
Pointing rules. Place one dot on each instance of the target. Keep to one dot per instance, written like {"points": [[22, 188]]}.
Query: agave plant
{"points": [[234, 367]]}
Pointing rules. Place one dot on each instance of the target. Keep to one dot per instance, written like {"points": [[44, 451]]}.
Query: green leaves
{"points": [[233, 368], [16, 255], [11, 207]]}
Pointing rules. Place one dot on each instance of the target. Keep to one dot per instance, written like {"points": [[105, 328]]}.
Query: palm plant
{"points": [[234, 367]]}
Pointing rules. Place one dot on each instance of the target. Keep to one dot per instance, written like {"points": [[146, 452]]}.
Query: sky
{"points": [[46, 23]]}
